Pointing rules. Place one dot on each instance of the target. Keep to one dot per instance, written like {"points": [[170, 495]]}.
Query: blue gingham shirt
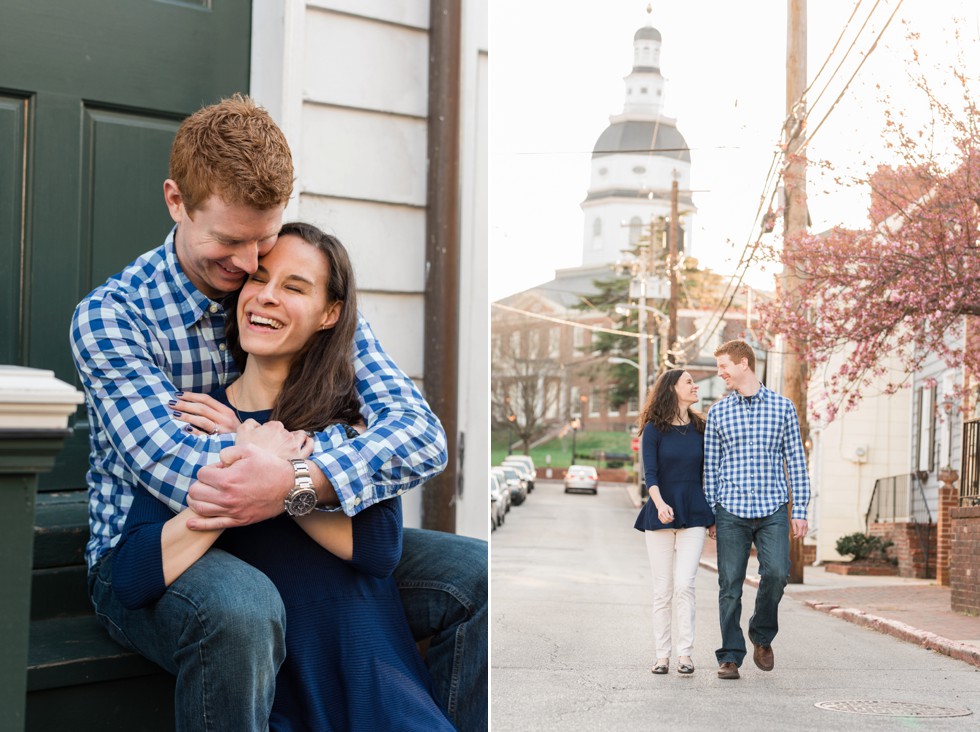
{"points": [[750, 444], [148, 332]]}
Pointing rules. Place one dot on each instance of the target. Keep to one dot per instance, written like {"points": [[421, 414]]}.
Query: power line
{"points": [[572, 323], [743, 261], [866, 56]]}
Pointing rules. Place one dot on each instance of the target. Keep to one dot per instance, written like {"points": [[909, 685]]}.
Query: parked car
{"points": [[526, 465], [502, 487], [522, 472], [512, 481], [499, 501], [582, 478]]}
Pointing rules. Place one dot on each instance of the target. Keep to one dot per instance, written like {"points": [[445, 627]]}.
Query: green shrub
{"points": [[861, 546]]}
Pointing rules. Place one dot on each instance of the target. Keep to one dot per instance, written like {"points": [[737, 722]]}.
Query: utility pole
{"points": [[641, 350], [672, 274], [794, 224]]}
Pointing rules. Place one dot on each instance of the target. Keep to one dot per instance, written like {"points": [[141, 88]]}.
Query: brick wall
{"points": [[948, 500], [809, 554], [907, 547], [964, 567]]}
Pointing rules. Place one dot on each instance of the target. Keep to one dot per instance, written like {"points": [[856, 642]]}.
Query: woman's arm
{"points": [[154, 550], [371, 541], [181, 547], [664, 512], [651, 472], [333, 531]]}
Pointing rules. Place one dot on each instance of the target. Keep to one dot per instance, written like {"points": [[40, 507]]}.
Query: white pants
{"points": [[674, 556]]}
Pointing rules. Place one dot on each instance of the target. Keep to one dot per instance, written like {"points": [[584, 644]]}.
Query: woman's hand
{"points": [[275, 438], [665, 513], [203, 414], [713, 531]]}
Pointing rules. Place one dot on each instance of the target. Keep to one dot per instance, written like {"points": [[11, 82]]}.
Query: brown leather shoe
{"points": [[763, 657], [728, 670]]}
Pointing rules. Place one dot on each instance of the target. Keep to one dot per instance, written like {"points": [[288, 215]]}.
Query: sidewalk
{"points": [[913, 610]]}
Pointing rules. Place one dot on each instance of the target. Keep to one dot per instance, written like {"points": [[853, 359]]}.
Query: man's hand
{"points": [[247, 486], [798, 528], [713, 531]]}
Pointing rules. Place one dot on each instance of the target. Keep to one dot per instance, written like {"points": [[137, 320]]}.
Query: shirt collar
{"points": [[192, 304], [759, 396]]}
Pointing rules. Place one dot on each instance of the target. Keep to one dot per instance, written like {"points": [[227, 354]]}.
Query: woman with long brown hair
{"points": [[350, 661], [676, 516]]}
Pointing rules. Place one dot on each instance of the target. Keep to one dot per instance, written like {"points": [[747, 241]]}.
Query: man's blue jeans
{"points": [[220, 629], [443, 582], [735, 536]]}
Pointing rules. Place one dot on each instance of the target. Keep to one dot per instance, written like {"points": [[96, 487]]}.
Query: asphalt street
{"points": [[572, 647]]}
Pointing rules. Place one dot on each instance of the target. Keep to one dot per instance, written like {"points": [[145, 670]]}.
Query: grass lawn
{"points": [[560, 450]]}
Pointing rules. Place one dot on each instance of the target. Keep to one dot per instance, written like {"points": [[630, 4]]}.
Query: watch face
{"points": [[302, 502]]}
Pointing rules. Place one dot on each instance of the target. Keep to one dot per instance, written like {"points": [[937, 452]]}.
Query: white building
{"points": [[634, 162], [848, 456]]}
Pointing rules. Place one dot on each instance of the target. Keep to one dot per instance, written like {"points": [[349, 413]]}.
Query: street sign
{"points": [[636, 444]]}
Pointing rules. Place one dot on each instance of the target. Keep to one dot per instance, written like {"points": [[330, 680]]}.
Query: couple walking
{"points": [[724, 476]]}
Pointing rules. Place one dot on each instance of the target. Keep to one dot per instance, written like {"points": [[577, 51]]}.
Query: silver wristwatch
{"points": [[302, 498]]}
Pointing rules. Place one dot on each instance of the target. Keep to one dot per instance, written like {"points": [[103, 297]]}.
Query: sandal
{"points": [[660, 668], [685, 668]]}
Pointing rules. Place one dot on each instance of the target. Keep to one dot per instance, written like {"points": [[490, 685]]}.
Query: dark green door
{"points": [[91, 94]]}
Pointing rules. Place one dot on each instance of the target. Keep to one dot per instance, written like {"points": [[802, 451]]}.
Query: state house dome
{"points": [[647, 33], [637, 136]]}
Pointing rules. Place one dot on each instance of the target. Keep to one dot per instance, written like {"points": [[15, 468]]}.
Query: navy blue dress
{"points": [[674, 462], [351, 662]]}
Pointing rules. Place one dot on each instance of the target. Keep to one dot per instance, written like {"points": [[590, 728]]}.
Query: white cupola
{"points": [[634, 162]]}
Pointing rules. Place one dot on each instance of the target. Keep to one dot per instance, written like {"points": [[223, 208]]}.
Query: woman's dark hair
{"points": [[662, 407], [319, 389]]}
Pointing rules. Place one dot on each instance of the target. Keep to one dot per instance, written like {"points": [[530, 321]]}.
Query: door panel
{"points": [[91, 94], [126, 217], [131, 53], [13, 150]]}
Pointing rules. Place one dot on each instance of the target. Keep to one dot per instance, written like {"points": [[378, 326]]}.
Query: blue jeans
{"points": [[735, 536], [443, 582], [220, 629]]}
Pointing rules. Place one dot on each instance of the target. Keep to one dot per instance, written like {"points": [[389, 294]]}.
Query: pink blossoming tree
{"points": [[907, 287]]}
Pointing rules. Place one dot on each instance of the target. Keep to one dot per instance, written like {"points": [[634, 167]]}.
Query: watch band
{"points": [[301, 474]]}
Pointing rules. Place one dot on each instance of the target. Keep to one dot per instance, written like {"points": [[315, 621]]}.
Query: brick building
{"points": [[548, 364]]}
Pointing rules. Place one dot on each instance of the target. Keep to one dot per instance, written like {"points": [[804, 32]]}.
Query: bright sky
{"points": [[557, 75]]}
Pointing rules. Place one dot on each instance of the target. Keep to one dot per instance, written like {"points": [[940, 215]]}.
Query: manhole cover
{"points": [[891, 709]]}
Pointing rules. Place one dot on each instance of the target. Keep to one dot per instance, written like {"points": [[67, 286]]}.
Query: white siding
{"points": [[414, 13], [366, 155], [367, 228], [360, 63], [842, 479], [348, 82]]}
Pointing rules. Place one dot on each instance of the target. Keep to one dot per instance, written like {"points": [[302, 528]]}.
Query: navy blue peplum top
{"points": [[674, 462]]}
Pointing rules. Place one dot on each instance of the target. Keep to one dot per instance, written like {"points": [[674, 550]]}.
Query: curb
{"points": [[904, 632]]}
